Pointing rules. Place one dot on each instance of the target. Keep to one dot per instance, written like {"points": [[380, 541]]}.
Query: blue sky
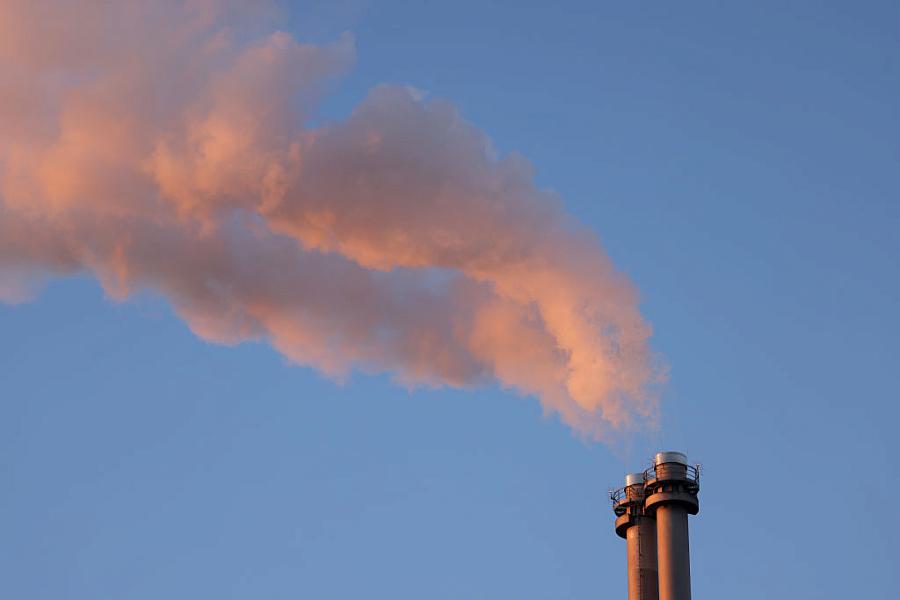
{"points": [[739, 164]]}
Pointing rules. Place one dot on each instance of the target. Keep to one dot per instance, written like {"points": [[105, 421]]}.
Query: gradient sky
{"points": [[740, 164]]}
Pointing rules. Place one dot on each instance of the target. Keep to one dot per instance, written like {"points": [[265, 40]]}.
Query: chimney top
{"points": [[634, 479], [670, 457]]}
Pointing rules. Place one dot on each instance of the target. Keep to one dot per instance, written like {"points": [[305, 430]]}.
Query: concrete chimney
{"points": [[639, 531], [670, 495]]}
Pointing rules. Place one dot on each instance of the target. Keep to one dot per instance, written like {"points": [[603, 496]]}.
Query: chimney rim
{"points": [[634, 479], [670, 457]]}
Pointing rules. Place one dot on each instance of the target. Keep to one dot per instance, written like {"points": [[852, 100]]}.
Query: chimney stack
{"points": [[639, 531], [652, 515]]}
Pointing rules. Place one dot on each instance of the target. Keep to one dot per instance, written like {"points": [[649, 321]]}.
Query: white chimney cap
{"points": [[670, 457], [634, 479]]}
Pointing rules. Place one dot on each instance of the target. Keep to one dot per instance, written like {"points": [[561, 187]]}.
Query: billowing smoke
{"points": [[165, 145]]}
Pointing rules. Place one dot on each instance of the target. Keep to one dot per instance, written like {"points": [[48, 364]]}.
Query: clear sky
{"points": [[739, 161]]}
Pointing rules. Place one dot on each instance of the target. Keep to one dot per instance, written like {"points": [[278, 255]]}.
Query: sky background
{"points": [[739, 163]]}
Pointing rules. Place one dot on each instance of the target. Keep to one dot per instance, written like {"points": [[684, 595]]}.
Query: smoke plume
{"points": [[165, 145]]}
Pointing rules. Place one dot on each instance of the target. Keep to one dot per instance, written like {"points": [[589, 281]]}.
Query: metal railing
{"points": [[692, 473]]}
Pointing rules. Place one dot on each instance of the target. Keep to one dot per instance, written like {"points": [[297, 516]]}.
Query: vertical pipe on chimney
{"points": [[671, 495], [639, 531]]}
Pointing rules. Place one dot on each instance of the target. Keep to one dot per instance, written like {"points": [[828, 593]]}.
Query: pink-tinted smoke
{"points": [[162, 145]]}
